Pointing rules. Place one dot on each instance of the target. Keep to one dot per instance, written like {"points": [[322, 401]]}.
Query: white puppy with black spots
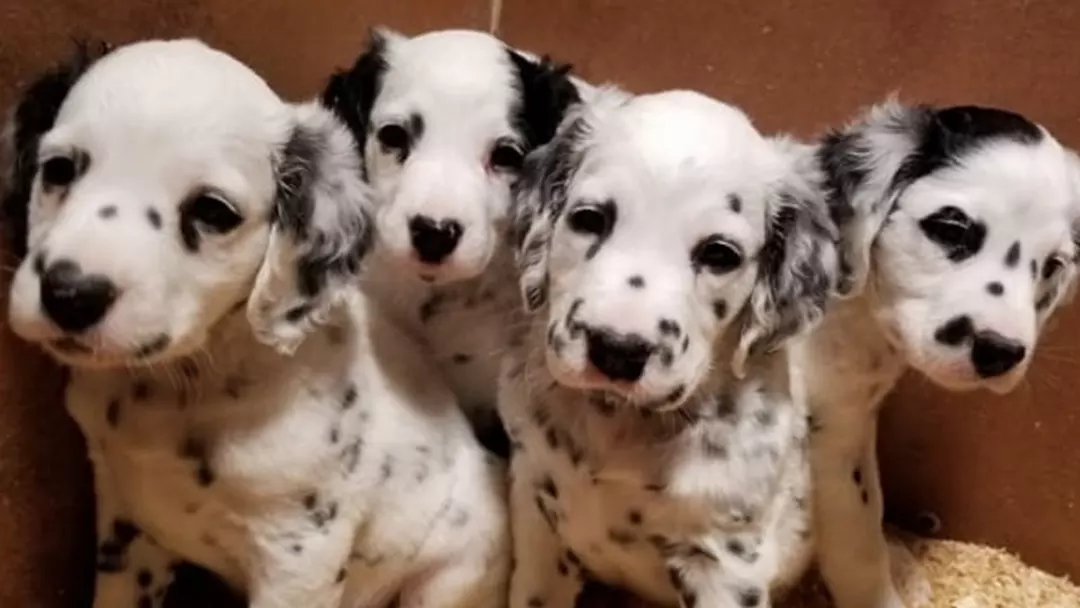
{"points": [[194, 245], [668, 254], [444, 120], [960, 231]]}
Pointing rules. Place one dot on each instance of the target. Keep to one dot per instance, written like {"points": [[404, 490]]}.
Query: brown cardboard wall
{"points": [[1004, 471]]}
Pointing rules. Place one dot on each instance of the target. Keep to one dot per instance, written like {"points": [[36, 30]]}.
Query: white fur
{"points": [[673, 493], [340, 474], [905, 289]]}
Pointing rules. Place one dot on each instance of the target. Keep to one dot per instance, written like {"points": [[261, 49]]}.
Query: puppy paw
{"points": [[908, 577]]}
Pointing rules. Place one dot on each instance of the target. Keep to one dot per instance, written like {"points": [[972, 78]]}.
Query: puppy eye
{"points": [[506, 156], [393, 137], [213, 213], [1052, 266], [716, 254], [592, 219], [58, 171], [947, 226]]}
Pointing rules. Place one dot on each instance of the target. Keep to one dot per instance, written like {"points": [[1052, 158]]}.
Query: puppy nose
{"points": [[73, 300], [994, 354], [619, 357], [433, 240]]}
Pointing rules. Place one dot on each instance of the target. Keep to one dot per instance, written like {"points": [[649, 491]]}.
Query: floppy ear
{"points": [[321, 230], [798, 266], [31, 118], [546, 92], [351, 93], [863, 166]]}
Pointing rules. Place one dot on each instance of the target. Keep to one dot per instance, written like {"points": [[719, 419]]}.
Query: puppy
{"points": [[668, 252], [444, 120], [959, 239], [194, 245]]}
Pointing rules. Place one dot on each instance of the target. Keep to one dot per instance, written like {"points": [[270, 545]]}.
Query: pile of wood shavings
{"points": [[962, 575]]}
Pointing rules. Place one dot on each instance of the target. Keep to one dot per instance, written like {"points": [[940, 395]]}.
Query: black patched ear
{"points": [[31, 118], [321, 231], [798, 266], [545, 92], [351, 93]]}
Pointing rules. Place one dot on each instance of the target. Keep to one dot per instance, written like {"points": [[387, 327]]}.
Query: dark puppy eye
{"points": [[592, 219], [717, 255], [1052, 266], [212, 213], [393, 137], [506, 155], [58, 171], [954, 230]]}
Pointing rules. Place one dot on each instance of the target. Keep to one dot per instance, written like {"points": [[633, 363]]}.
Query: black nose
{"points": [[994, 354], [618, 357], [73, 300], [433, 240]]}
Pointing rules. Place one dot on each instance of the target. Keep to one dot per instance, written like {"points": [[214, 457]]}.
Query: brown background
{"points": [[1004, 471]]}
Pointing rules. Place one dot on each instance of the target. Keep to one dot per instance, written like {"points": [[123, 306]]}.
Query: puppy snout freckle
{"points": [[73, 300], [434, 240], [994, 355], [955, 331], [619, 357]]}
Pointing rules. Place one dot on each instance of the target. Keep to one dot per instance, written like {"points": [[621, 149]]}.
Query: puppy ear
{"points": [[30, 119], [864, 167], [351, 93], [798, 266], [545, 93], [321, 230]]}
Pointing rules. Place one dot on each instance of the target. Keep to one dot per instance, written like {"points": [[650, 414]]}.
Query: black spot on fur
{"points": [[634, 517], [144, 578], [841, 156], [857, 476], [995, 288], [140, 391], [725, 405], [351, 94], [1012, 256], [461, 358], [865, 497], [622, 537], [349, 398], [296, 313], [676, 394], [636, 281], [340, 576], [350, 455], [669, 328], [954, 332], [34, 115], [547, 485], [112, 553], [734, 202], [430, 307], [1044, 302], [536, 602], [156, 344], [107, 212], [765, 417], [750, 598], [552, 437], [154, 217]]}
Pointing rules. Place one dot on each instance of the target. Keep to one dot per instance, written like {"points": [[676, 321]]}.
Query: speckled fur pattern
{"points": [[1012, 195], [246, 408]]}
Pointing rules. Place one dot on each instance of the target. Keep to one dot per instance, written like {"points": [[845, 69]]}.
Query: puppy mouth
{"points": [[84, 351]]}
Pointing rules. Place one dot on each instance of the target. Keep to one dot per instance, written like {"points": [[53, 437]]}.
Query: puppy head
{"points": [[444, 120], [666, 235], [168, 187], [964, 220]]}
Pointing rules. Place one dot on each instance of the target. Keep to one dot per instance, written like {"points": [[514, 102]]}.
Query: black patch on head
{"points": [[34, 115], [1012, 256], [995, 288], [544, 94], [955, 331], [636, 281], [943, 137], [351, 94], [841, 156], [154, 217], [107, 212]]}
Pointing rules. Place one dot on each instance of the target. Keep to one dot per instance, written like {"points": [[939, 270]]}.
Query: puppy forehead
{"points": [[1023, 186], [176, 87], [450, 67]]}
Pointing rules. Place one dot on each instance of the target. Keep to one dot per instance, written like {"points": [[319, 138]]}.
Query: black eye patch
{"points": [[1052, 266], [61, 171], [955, 232], [716, 254], [593, 219], [206, 213], [401, 138]]}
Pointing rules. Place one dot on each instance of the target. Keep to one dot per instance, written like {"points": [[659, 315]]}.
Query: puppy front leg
{"points": [[852, 551], [133, 571], [545, 574], [309, 569]]}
